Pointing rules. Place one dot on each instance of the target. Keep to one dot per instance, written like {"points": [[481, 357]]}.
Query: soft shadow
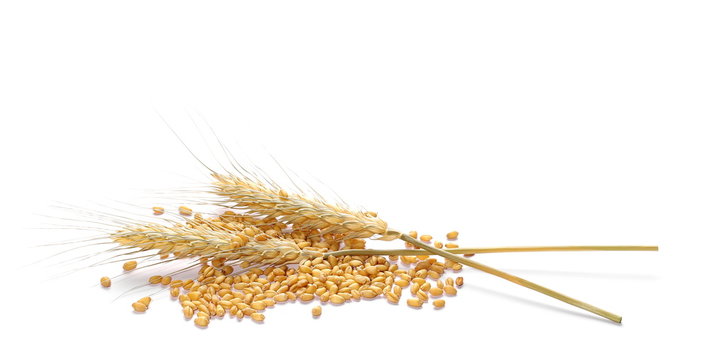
{"points": [[524, 301], [583, 274]]}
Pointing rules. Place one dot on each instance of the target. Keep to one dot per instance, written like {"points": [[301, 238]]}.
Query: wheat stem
{"points": [[415, 252], [512, 278]]}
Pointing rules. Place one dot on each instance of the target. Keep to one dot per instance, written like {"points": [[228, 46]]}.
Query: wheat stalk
{"points": [[491, 250]]}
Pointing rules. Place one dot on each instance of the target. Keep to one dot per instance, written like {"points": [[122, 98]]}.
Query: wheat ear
{"points": [[298, 210], [229, 241]]}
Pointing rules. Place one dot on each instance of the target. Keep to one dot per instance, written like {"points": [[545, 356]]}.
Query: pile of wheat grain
{"points": [[249, 264]]}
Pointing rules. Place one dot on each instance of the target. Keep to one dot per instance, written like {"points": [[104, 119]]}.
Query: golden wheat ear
{"points": [[298, 210]]}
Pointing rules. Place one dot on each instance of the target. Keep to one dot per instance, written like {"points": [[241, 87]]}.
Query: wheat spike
{"points": [[232, 241], [297, 210]]}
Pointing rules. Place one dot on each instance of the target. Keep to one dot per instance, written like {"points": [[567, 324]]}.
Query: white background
{"points": [[514, 122]]}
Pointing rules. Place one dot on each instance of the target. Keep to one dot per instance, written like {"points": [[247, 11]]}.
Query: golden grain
{"points": [[201, 321], [439, 303], [337, 299], [258, 305], [145, 301], [452, 235], [185, 211], [130, 265], [139, 307], [416, 303], [105, 281], [316, 311]]}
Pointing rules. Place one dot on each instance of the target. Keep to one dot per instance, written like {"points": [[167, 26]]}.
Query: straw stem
{"points": [[469, 251], [512, 278]]}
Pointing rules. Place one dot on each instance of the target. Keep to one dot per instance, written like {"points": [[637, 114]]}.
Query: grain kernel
{"points": [[201, 321], [145, 301], [459, 281], [166, 280], [184, 211], [139, 307], [449, 290], [188, 312], [414, 234], [402, 283], [436, 292], [258, 317], [105, 281], [426, 238], [452, 235], [258, 305], [337, 299], [130, 265], [369, 294], [438, 244], [414, 303], [316, 311], [414, 288], [360, 279], [157, 210], [155, 279], [439, 303], [451, 245]]}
